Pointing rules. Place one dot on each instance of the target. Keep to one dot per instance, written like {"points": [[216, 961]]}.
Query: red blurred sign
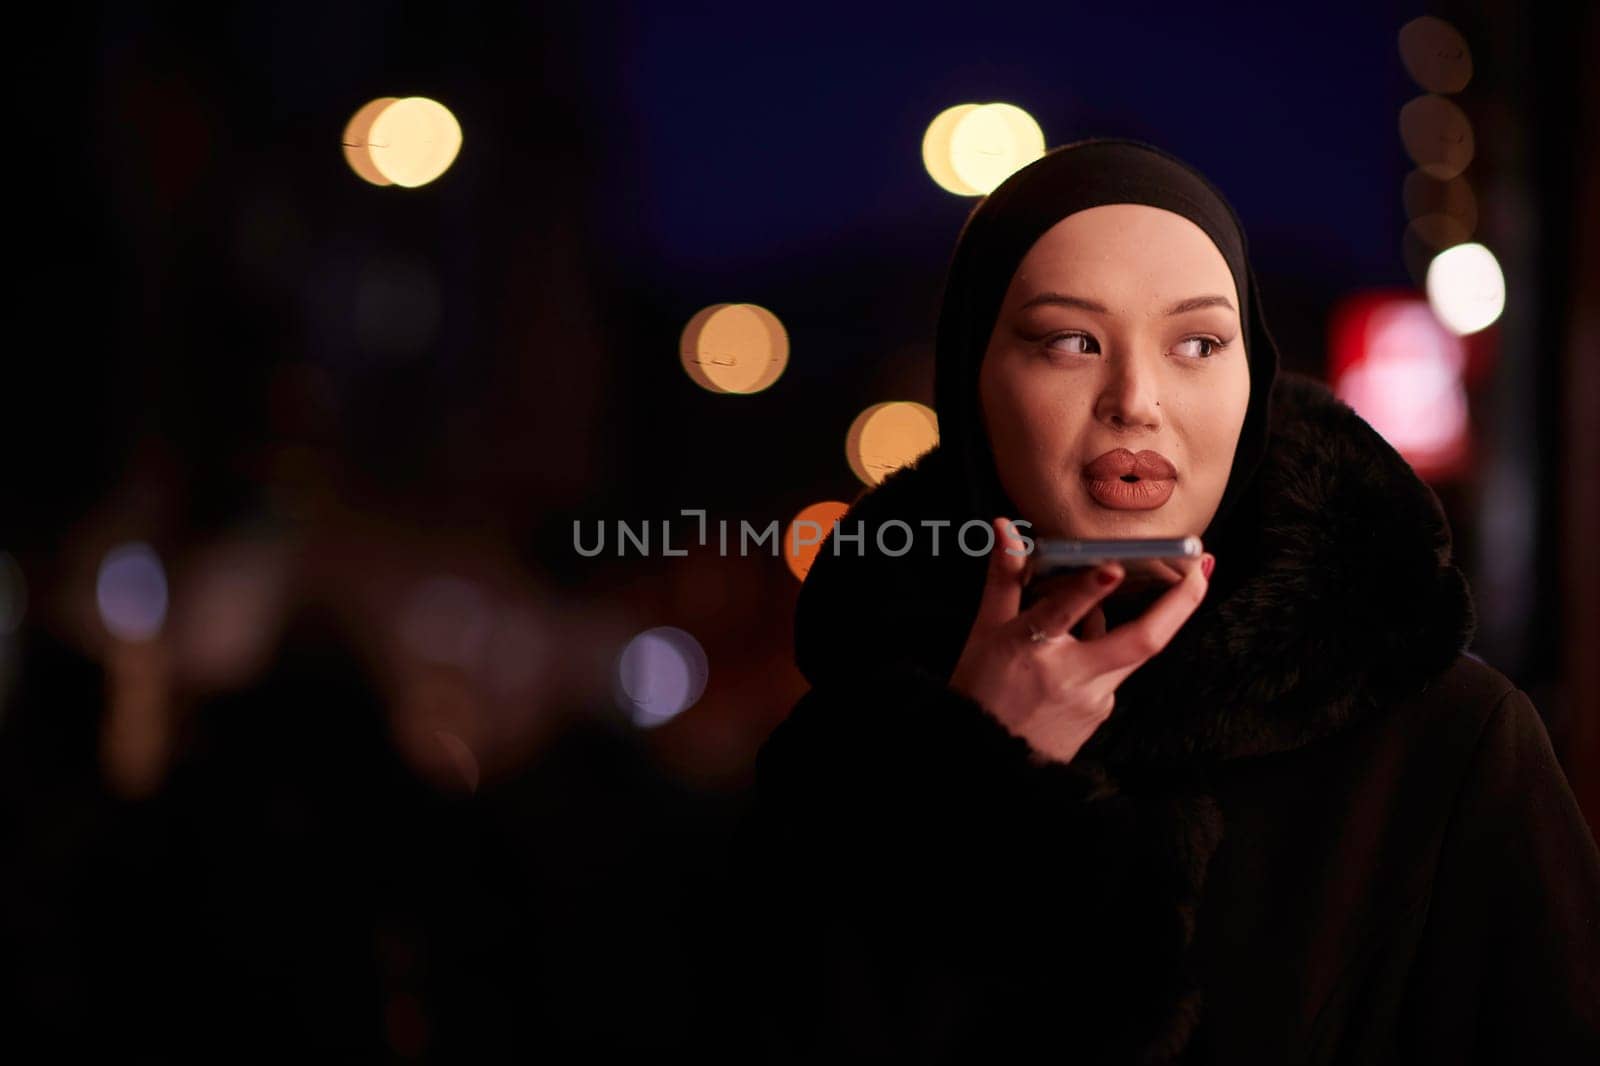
{"points": [[1401, 369]]}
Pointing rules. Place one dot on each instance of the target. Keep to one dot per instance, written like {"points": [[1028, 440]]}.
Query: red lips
{"points": [[1120, 462]]}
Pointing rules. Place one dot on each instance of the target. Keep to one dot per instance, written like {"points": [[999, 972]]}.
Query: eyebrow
{"points": [[1060, 299]]}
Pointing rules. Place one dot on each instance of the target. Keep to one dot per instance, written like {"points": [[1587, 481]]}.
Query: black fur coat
{"points": [[1314, 829]]}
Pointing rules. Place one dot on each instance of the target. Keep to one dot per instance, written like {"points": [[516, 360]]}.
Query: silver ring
{"points": [[1037, 635]]}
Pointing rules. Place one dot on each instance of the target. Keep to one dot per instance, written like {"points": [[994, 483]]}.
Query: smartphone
{"points": [[1051, 554], [1150, 564]]}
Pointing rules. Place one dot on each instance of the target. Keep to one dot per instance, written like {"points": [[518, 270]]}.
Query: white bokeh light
{"points": [[131, 592], [413, 140], [659, 675], [969, 149], [992, 142], [1466, 287]]}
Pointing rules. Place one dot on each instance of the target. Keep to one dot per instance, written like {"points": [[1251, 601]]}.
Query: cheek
{"points": [[1216, 438], [1023, 410]]}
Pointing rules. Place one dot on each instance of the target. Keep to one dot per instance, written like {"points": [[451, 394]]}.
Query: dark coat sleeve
{"points": [[1509, 966], [920, 881]]}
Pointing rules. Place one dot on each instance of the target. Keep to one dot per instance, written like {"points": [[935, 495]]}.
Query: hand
{"points": [[1055, 692]]}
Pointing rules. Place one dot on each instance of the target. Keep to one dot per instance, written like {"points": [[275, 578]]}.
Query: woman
{"points": [[1278, 815]]}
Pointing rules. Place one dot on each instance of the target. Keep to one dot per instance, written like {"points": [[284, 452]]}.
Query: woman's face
{"points": [[1091, 353]]}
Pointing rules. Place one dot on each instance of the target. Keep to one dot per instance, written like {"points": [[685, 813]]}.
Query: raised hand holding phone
{"points": [[1025, 666]]}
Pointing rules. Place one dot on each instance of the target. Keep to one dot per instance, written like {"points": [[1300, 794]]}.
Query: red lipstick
{"points": [[1125, 481]]}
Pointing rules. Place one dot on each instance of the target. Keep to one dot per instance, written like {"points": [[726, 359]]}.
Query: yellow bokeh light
{"points": [[801, 543], [356, 132], [689, 347], [734, 348], [1435, 54], [936, 150], [887, 436], [1437, 135], [992, 142], [413, 141]]}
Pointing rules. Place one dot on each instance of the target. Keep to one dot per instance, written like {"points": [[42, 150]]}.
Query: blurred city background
{"points": [[321, 729]]}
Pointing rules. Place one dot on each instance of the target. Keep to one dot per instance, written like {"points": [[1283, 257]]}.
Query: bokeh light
{"points": [[411, 141], [1435, 55], [887, 436], [969, 149], [660, 674], [992, 142], [807, 532], [356, 132], [1408, 385], [1466, 287], [737, 348], [936, 150], [1437, 135], [131, 592]]}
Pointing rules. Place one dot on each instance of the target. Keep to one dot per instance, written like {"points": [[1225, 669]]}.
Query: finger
{"points": [[1155, 573], [1162, 571], [1002, 590], [1166, 571], [1180, 567], [1130, 644], [1069, 600], [1094, 623]]}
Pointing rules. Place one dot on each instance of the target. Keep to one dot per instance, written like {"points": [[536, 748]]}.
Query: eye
{"points": [[1215, 345], [1071, 336]]}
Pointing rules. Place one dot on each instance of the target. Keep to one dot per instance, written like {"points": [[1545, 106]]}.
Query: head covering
{"points": [[1006, 224]]}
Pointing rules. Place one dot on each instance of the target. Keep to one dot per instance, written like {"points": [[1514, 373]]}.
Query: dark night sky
{"points": [[730, 152], [751, 137]]}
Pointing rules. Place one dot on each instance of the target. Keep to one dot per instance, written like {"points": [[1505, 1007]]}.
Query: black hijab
{"points": [[998, 234]]}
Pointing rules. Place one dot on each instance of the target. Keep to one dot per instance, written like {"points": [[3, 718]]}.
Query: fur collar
{"points": [[1342, 596]]}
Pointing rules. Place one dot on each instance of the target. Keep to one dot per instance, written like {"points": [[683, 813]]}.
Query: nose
{"points": [[1128, 400]]}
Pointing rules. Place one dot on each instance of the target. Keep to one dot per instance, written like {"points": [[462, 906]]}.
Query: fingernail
{"points": [[1207, 564], [1105, 577]]}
